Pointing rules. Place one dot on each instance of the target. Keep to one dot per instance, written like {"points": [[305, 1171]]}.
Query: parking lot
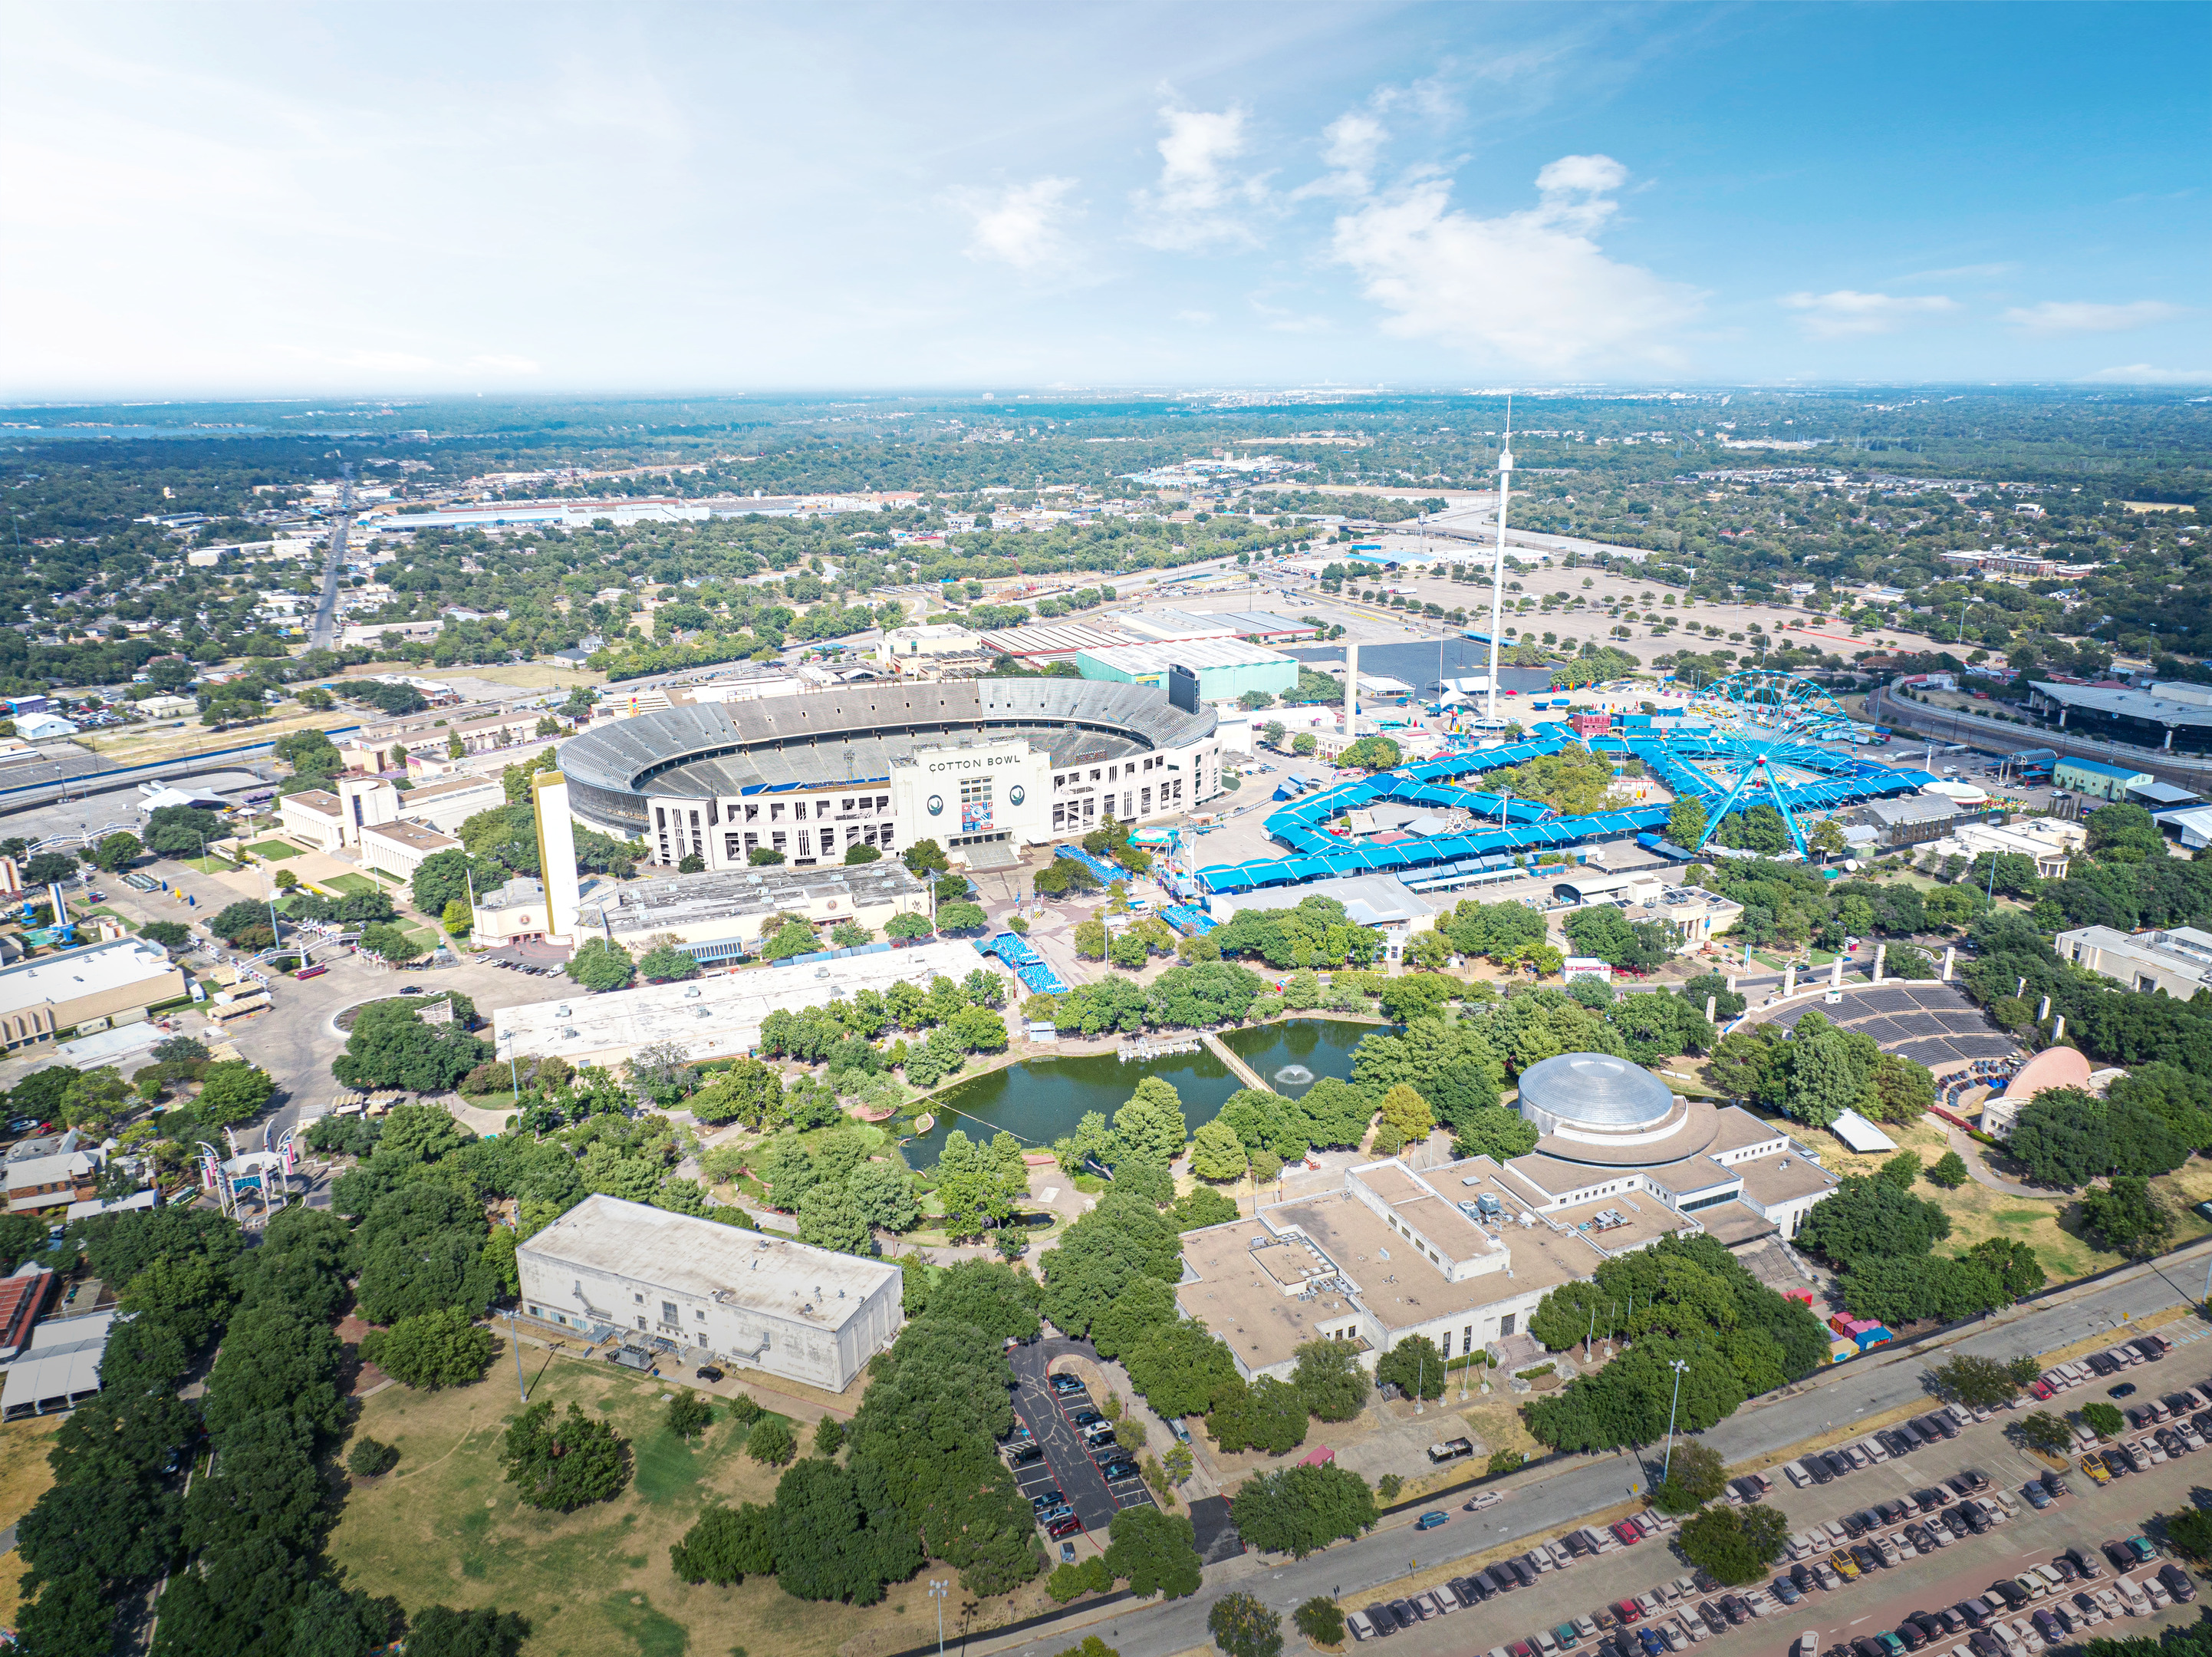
{"points": [[1051, 1418], [2019, 1556]]}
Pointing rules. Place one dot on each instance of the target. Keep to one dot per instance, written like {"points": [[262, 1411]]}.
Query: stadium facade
{"points": [[966, 764]]}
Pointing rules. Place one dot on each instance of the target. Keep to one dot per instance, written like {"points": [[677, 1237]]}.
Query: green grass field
{"points": [[353, 885], [274, 851], [209, 865], [444, 1527]]}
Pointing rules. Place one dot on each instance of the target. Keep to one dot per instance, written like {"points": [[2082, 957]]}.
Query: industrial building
{"points": [[1226, 668], [2150, 717], [2094, 779], [1912, 821], [719, 1016], [972, 765], [1465, 1253], [706, 1292], [103, 983]]}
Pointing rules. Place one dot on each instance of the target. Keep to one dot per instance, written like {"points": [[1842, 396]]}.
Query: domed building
{"points": [[1464, 1253]]}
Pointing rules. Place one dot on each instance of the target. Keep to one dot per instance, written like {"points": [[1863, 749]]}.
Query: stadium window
{"points": [[799, 809], [732, 851], [752, 812], [778, 840], [776, 811], [805, 849]]}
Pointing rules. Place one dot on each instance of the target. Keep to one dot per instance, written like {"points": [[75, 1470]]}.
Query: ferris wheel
{"points": [[1756, 718]]}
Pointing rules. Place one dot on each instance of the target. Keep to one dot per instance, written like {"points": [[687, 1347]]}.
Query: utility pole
{"points": [[1678, 1366]]}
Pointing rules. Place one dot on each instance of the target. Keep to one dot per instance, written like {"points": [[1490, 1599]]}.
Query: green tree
{"points": [[371, 1457], [1415, 1367], [1143, 1305], [2104, 1419], [1179, 1369], [1331, 1380], [1266, 1415], [769, 1442], [441, 1631], [1949, 1170], [1215, 1153], [689, 1413], [668, 965], [1735, 1545], [1686, 823], [233, 1091], [434, 1348], [456, 919], [1695, 1475], [118, 851], [1242, 1626], [390, 943], [725, 1545], [829, 1218], [1300, 1510], [1155, 1553], [2041, 1430], [2126, 1215], [794, 937], [1977, 1383], [601, 964], [1863, 1217]]}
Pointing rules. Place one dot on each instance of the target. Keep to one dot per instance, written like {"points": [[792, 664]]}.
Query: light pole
{"points": [[937, 1590], [1678, 1366], [514, 1343]]}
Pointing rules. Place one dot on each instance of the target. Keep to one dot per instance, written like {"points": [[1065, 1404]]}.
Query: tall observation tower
{"points": [[1497, 565]]}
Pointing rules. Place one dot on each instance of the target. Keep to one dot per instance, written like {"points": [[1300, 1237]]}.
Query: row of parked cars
{"points": [[2045, 1605], [1826, 1466]]}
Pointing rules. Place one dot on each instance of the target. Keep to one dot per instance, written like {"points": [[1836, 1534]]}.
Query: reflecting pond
{"points": [[1040, 1099]]}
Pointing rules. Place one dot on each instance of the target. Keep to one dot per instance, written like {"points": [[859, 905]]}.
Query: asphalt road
{"points": [[1561, 1496]]}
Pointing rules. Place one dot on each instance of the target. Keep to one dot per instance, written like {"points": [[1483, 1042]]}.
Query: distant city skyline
{"points": [[252, 199]]}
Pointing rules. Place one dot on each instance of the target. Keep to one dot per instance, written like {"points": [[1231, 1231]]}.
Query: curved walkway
{"points": [[1971, 1153]]}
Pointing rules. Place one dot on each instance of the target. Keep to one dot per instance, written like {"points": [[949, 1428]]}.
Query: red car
{"points": [[1628, 1610], [1629, 1535], [2042, 1389], [1068, 1527]]}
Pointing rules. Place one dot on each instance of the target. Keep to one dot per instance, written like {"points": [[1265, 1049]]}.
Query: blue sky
{"points": [[408, 198]]}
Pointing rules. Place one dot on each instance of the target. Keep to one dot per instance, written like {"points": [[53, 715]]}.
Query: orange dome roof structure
{"points": [[2054, 1067]]}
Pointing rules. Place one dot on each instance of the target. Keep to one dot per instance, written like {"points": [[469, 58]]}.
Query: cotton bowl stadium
{"points": [[1006, 764], [970, 765]]}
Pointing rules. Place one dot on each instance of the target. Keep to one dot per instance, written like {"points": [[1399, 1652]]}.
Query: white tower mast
{"points": [[1498, 567]]}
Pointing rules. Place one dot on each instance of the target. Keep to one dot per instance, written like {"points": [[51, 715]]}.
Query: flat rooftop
{"points": [[707, 1260], [96, 970], [1399, 1285], [414, 836], [684, 900], [719, 1016], [1239, 1281]]}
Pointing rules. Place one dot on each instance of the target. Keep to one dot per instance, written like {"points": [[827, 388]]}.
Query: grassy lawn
{"points": [[2049, 1225], [24, 1478], [209, 865], [388, 880], [445, 1527], [274, 851], [353, 885]]}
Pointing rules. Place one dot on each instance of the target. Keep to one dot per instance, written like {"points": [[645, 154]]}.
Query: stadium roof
{"points": [[851, 735]]}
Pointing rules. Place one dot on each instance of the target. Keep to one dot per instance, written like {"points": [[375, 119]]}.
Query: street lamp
{"points": [[939, 1588], [1678, 1366]]}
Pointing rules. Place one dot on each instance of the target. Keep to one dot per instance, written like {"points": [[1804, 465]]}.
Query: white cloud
{"points": [[1962, 273], [1531, 288], [1022, 225], [1196, 319], [1194, 205], [1354, 141], [1845, 312], [2142, 374], [1278, 319], [2080, 316]]}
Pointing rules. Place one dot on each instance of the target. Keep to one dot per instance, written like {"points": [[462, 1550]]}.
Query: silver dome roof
{"points": [[1597, 1089]]}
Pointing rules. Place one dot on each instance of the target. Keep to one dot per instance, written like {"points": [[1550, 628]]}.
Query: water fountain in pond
{"points": [[1294, 1075]]}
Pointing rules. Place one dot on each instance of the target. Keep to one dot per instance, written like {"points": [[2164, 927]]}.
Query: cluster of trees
{"points": [[920, 1476], [243, 1550], [1883, 1238], [962, 1018], [1198, 996], [1817, 1070], [2106, 1020], [389, 1045], [2149, 1122], [840, 1193], [1687, 1299]]}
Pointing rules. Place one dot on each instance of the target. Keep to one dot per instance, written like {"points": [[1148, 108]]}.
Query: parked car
{"points": [[1025, 1455], [1068, 1527], [1048, 1499], [1119, 1469], [1062, 1381], [1429, 1522]]}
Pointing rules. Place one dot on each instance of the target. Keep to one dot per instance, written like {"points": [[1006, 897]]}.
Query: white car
{"points": [[1809, 1643]]}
